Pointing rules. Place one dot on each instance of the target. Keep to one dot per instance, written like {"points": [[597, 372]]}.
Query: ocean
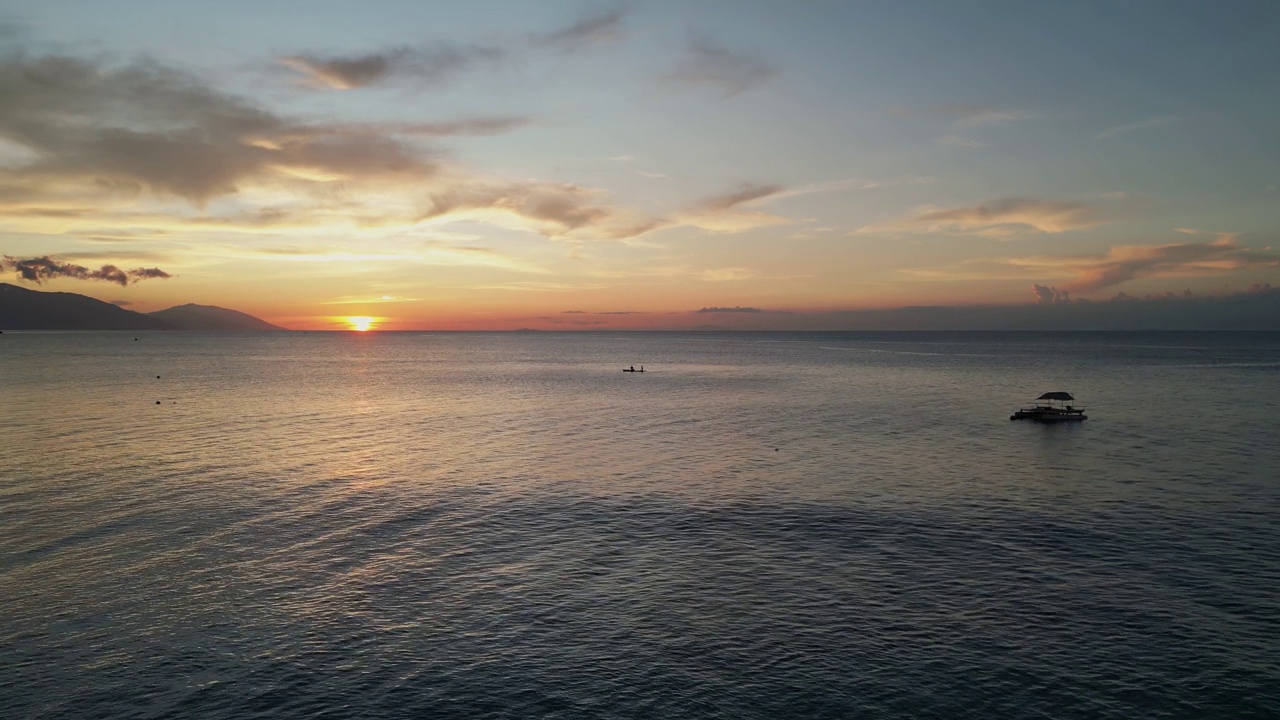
{"points": [[761, 525]]}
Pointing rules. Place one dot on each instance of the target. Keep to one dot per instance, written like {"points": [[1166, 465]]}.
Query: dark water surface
{"points": [[760, 526]]}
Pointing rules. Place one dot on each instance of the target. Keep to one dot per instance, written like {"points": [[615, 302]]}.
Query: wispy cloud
{"points": [[477, 126], [728, 274], [1084, 274], [734, 309], [1004, 217], [747, 193], [431, 65], [708, 63], [555, 209], [601, 26], [436, 63], [959, 142], [1125, 263], [966, 115], [723, 213], [1152, 122], [375, 300]]}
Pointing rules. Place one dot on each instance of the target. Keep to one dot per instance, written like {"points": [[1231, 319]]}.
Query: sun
{"points": [[361, 323]]}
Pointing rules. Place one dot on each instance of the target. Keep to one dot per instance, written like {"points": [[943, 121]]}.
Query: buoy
{"points": [[157, 402]]}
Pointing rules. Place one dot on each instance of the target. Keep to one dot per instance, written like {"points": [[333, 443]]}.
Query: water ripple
{"points": [[434, 529]]}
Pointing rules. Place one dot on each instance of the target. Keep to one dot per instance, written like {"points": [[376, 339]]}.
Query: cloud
{"points": [[1125, 263], [972, 115], [479, 126], [1004, 217], [1046, 295], [745, 194], [1153, 122], [431, 65], [114, 146], [601, 26], [837, 185], [437, 63], [956, 141], [708, 63], [721, 213], [734, 309], [570, 211], [104, 132], [39, 269], [556, 209], [729, 274]]}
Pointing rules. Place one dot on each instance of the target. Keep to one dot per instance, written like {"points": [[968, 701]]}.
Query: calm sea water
{"points": [[759, 526]]}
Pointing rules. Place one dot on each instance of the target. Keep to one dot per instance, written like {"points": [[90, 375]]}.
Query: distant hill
{"points": [[208, 317], [23, 309]]}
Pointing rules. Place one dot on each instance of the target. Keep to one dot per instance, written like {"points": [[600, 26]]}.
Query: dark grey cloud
{"points": [[120, 130], [708, 63], [1047, 295], [734, 309], [39, 269]]}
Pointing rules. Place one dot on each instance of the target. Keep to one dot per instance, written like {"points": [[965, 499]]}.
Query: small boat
{"points": [[1051, 407], [633, 369]]}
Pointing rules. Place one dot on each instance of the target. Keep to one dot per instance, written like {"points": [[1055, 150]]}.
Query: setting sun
{"points": [[361, 323]]}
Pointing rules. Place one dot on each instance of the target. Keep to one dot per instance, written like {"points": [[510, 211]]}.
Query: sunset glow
{"points": [[361, 323], [658, 165]]}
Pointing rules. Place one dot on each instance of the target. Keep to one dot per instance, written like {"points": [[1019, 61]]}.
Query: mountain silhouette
{"points": [[24, 309], [210, 317]]}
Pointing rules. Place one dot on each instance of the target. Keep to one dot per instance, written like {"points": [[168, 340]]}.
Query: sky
{"points": [[494, 165]]}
